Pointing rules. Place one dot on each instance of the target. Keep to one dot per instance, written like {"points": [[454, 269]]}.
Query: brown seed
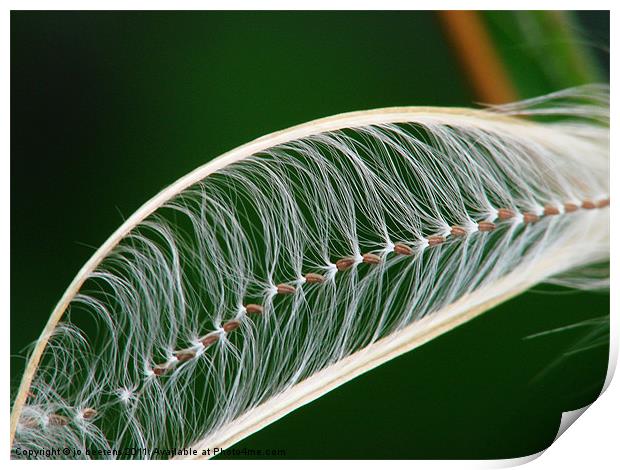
{"points": [[28, 422], [160, 369], [209, 339], [185, 355], [530, 218], [602, 203], [251, 309], [588, 205], [371, 258], [435, 240], [486, 226], [570, 207], [88, 413], [285, 289], [504, 214], [345, 263], [29, 394], [457, 231], [314, 278], [551, 210], [231, 325], [401, 249], [57, 420]]}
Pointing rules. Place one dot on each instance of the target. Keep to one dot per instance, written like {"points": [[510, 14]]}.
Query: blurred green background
{"points": [[107, 108]]}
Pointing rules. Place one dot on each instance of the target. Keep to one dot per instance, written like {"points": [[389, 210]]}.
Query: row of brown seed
{"points": [[346, 263]]}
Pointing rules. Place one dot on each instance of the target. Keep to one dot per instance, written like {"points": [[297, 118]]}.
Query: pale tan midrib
{"points": [[418, 333]]}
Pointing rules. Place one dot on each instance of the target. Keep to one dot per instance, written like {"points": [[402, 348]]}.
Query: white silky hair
{"points": [[164, 344]]}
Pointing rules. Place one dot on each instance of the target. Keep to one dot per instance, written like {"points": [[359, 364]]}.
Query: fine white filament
{"points": [[293, 264]]}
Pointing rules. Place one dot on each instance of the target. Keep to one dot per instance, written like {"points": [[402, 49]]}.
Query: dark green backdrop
{"points": [[108, 108]]}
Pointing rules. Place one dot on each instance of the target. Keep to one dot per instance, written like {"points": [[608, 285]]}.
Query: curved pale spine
{"points": [[411, 337], [341, 121]]}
